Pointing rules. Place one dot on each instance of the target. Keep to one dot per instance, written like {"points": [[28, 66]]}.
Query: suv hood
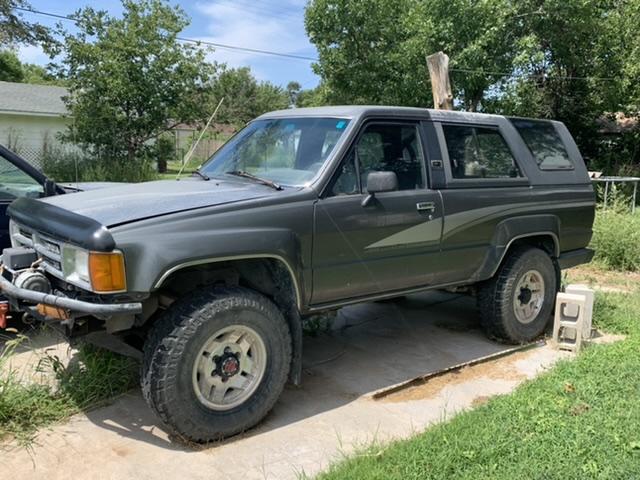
{"points": [[129, 202]]}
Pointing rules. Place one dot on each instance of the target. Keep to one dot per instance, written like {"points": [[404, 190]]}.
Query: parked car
{"points": [[304, 211], [18, 178]]}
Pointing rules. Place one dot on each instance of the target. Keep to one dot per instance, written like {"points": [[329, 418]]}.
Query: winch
{"points": [[33, 280]]}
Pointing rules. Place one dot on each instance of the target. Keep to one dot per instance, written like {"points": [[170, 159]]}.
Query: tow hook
{"points": [[4, 310]]}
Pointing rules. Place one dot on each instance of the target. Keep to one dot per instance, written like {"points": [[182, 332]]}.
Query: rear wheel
{"points": [[216, 363], [516, 304]]}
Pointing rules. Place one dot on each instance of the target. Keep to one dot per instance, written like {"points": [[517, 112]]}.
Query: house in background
{"points": [[31, 116]]}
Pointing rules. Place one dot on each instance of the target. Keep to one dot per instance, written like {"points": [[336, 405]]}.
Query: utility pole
{"points": [[438, 64]]}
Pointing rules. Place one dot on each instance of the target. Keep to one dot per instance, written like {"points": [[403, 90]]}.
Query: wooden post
{"points": [[438, 64]]}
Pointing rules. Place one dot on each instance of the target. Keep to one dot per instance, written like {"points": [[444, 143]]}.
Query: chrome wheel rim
{"points": [[229, 367], [528, 298]]}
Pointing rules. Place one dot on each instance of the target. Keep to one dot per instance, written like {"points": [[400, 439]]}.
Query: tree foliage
{"points": [[10, 67], [130, 79], [244, 97], [12, 70], [15, 29], [572, 60]]}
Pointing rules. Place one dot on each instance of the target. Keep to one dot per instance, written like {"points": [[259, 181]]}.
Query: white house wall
{"points": [[28, 134]]}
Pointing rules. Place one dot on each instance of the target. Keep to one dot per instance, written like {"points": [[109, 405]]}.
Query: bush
{"points": [[70, 165], [616, 239]]}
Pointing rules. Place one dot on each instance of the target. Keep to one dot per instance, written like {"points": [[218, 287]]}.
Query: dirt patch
{"points": [[604, 280], [499, 369], [481, 400]]}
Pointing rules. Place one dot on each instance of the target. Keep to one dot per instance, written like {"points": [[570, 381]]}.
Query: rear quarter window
{"points": [[545, 144]]}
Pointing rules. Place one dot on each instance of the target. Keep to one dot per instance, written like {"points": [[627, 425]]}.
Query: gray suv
{"points": [[304, 211]]}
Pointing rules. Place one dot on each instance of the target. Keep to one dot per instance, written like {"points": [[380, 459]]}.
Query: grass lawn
{"points": [[174, 167], [580, 420], [97, 376]]}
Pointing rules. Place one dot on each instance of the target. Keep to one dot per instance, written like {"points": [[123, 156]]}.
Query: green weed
{"points": [[94, 376]]}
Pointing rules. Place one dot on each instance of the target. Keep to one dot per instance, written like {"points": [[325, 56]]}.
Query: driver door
{"points": [[392, 243]]}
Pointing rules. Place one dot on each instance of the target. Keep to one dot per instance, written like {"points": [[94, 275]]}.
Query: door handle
{"points": [[426, 206]]}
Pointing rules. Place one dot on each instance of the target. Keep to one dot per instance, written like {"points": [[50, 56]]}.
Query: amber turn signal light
{"points": [[106, 271]]}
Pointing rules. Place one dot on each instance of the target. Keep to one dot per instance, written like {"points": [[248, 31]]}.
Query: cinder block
{"points": [[568, 325], [589, 294]]}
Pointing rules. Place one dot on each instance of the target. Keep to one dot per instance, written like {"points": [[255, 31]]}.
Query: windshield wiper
{"points": [[204, 176], [264, 181]]}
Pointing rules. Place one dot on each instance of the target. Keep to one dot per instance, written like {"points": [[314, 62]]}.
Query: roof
{"points": [[353, 111], [25, 98]]}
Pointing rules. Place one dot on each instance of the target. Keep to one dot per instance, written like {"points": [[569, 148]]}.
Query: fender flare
{"points": [[509, 231]]}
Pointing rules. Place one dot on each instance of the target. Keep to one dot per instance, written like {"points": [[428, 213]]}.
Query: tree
{"points": [[14, 29], [39, 75], [244, 97], [314, 97], [558, 58], [10, 67], [12, 70], [571, 60], [131, 80]]}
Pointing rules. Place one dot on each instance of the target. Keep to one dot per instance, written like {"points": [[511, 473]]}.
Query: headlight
{"points": [[99, 272]]}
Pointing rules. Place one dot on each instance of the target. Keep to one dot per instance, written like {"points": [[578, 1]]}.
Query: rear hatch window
{"points": [[545, 144]]}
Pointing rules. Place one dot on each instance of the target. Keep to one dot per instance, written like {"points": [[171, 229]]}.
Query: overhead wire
{"points": [[192, 40]]}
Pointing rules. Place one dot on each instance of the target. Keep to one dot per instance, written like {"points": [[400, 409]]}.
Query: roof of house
{"points": [[25, 98]]}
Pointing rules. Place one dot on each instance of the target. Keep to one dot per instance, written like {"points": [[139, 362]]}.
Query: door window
{"points": [[479, 152], [389, 148], [16, 183]]}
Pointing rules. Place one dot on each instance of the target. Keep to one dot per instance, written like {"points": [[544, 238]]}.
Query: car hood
{"points": [[86, 186], [129, 202]]}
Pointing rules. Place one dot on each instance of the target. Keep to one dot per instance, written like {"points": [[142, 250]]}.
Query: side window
{"points": [[544, 143], [479, 152], [15, 183], [390, 148]]}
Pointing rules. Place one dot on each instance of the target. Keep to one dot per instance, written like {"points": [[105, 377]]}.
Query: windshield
{"points": [[289, 151]]}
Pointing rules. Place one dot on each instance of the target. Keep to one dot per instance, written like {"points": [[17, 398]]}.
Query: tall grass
{"points": [[67, 165], [94, 376], [616, 237]]}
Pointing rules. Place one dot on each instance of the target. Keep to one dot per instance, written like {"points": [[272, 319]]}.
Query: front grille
{"points": [[48, 249]]}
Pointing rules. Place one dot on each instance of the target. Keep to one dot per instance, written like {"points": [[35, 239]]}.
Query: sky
{"points": [[275, 25]]}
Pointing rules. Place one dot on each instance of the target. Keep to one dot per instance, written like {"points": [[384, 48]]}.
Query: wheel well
{"points": [[269, 276], [546, 242]]}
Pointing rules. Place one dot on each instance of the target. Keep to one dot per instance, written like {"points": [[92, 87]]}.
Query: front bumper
{"points": [[75, 307]]}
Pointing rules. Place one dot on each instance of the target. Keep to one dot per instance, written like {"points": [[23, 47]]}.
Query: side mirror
{"points": [[379, 182]]}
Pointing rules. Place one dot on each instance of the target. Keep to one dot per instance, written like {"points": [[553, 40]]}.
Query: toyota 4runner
{"points": [[301, 212]]}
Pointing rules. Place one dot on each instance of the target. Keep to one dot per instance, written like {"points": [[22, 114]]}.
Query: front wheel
{"points": [[216, 362], [515, 306]]}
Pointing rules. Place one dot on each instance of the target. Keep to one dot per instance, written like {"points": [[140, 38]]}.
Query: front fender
{"points": [[150, 263]]}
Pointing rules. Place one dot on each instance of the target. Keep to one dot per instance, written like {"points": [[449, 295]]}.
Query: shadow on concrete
{"points": [[370, 347]]}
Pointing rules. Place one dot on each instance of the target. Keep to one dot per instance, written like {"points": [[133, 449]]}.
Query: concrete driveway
{"points": [[372, 347]]}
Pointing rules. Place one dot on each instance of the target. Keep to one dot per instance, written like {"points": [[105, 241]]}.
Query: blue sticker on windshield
{"points": [[341, 124]]}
